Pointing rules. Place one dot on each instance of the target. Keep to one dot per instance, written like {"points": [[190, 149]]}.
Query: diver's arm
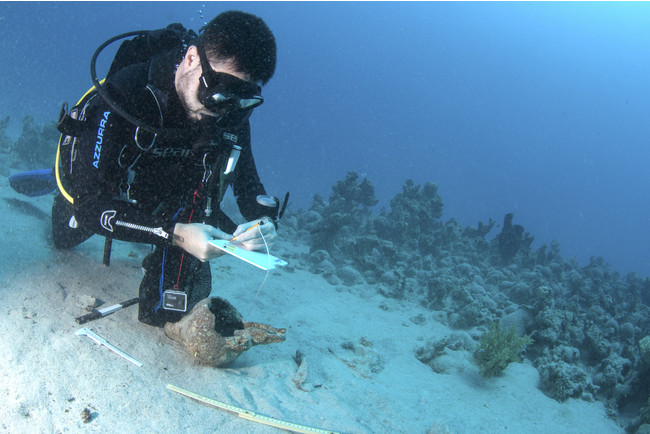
{"points": [[98, 176], [259, 232], [247, 184], [194, 239]]}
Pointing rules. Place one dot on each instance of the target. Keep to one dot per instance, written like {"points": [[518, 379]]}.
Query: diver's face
{"points": [[187, 82]]}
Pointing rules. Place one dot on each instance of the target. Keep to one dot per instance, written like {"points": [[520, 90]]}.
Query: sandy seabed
{"points": [[358, 349]]}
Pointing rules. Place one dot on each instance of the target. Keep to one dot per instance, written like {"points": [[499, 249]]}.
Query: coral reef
{"points": [[511, 239], [644, 349], [338, 220], [5, 147], [5, 141], [345, 228], [589, 324], [562, 380], [36, 146], [34, 149], [414, 211]]}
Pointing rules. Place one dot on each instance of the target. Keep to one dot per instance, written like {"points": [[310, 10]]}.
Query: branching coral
{"points": [[36, 146], [347, 208], [5, 142], [414, 216], [644, 349]]}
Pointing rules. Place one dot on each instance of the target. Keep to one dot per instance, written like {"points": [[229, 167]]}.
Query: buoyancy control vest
{"points": [[144, 47]]}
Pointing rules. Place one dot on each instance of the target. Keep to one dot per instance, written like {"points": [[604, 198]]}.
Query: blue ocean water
{"points": [[540, 109]]}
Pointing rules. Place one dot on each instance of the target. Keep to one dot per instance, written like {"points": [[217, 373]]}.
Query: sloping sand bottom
{"points": [[358, 347]]}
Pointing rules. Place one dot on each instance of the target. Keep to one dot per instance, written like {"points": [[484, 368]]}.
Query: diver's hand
{"points": [[194, 237], [252, 235]]}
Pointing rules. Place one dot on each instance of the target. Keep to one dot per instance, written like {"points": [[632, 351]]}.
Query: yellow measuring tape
{"points": [[249, 415]]}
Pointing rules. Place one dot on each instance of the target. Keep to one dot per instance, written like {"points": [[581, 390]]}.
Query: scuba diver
{"points": [[147, 154]]}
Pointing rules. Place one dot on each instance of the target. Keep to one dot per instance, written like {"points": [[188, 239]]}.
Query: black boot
{"points": [[63, 236]]}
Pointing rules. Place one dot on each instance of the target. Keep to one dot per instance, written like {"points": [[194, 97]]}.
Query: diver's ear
{"points": [[191, 59]]}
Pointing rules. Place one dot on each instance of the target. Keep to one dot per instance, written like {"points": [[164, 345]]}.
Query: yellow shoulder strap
{"points": [[57, 164]]}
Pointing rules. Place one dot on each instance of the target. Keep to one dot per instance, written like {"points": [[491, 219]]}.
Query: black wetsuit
{"points": [[130, 194]]}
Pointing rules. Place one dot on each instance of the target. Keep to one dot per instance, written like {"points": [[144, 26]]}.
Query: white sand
{"points": [[50, 375]]}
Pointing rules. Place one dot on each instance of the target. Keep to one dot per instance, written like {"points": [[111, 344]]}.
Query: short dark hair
{"points": [[244, 38]]}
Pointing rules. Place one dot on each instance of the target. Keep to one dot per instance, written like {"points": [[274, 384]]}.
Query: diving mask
{"points": [[231, 99]]}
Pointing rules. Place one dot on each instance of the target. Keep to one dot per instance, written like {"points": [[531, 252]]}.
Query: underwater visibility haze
{"points": [[460, 173], [539, 109]]}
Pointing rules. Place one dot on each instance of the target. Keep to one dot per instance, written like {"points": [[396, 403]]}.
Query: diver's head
{"points": [[221, 74], [245, 40]]}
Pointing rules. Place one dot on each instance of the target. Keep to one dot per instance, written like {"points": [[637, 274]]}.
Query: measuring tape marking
{"points": [[249, 415]]}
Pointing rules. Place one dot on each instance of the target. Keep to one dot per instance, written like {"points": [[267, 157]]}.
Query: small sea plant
{"points": [[498, 348]]}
